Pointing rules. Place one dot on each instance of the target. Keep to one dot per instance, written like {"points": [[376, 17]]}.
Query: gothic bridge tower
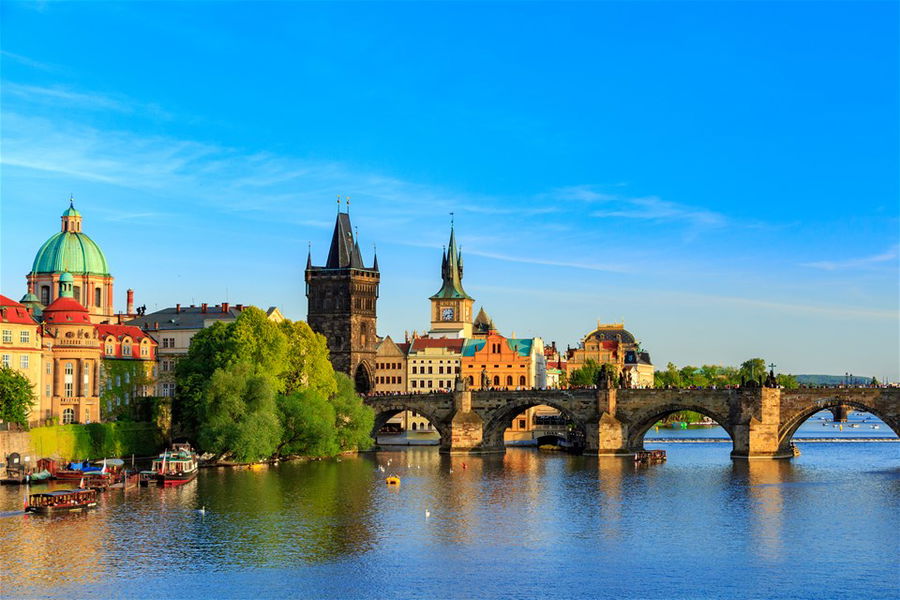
{"points": [[341, 304]]}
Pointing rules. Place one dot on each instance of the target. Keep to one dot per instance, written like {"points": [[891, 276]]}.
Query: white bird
{"points": [[427, 513], [202, 510], [451, 471]]}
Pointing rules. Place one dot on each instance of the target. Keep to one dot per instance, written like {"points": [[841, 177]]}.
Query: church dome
{"points": [[70, 250]]}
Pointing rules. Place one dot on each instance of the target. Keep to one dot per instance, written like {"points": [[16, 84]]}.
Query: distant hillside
{"points": [[831, 379]]}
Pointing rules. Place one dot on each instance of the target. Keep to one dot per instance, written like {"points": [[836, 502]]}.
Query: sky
{"points": [[721, 176]]}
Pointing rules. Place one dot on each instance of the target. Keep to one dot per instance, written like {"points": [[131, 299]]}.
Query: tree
{"points": [[16, 396], [307, 422], [239, 414], [753, 368], [585, 375], [308, 364], [353, 420], [788, 382]]}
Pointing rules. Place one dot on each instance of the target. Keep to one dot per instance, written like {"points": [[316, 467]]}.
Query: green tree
{"points": [[16, 396], [308, 364], [788, 382], [753, 368], [239, 414], [353, 420], [671, 377], [308, 425], [585, 375]]}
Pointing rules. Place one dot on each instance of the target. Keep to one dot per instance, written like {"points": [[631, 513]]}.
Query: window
{"points": [[69, 369], [47, 390], [440, 370], [521, 380], [496, 380], [7, 336], [23, 361], [521, 423], [168, 342], [98, 297], [429, 369], [24, 337], [413, 383], [109, 349], [67, 389], [45, 295], [414, 370], [49, 367], [414, 426], [430, 382], [68, 416], [168, 390], [509, 380], [145, 350], [126, 349]]}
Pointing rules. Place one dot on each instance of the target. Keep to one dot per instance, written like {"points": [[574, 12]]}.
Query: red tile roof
{"points": [[451, 344], [66, 311], [117, 331], [14, 312]]}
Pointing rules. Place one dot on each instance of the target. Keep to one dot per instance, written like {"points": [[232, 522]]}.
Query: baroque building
{"points": [[612, 344], [72, 251], [342, 299]]}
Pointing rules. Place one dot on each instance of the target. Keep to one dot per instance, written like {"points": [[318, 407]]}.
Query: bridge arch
{"points": [[385, 412], [641, 423], [501, 419], [790, 426]]}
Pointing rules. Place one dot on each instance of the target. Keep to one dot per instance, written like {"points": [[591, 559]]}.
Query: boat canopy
{"points": [[62, 492]]}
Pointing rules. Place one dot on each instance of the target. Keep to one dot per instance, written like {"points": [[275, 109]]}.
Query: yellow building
{"points": [[433, 364], [72, 359], [390, 367], [20, 348], [613, 344]]}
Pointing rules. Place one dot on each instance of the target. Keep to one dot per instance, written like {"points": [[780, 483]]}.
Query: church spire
{"points": [[451, 270]]}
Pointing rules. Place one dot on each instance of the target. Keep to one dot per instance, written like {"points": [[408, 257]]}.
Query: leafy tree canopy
{"points": [[16, 396]]}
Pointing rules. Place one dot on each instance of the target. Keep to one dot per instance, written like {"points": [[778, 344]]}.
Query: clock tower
{"points": [[451, 306]]}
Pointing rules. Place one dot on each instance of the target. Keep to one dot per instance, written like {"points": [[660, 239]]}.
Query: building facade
{"points": [[20, 348], [612, 344], [128, 370], [390, 367], [342, 303], [451, 306], [433, 364]]}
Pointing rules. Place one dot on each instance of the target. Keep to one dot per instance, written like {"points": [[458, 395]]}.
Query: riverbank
{"points": [[797, 440]]}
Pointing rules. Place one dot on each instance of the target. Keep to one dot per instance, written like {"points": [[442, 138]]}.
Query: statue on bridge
{"points": [[462, 384], [485, 382], [606, 377], [771, 380]]}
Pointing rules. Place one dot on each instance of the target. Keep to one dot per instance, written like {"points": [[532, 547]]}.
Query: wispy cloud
{"points": [[889, 255], [28, 62], [62, 96], [652, 208]]}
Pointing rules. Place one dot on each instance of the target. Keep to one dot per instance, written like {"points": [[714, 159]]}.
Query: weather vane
{"points": [[451, 219]]}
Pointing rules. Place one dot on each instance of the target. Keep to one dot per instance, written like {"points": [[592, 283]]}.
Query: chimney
{"points": [[224, 307], [203, 307], [239, 306], [129, 305], [177, 308]]}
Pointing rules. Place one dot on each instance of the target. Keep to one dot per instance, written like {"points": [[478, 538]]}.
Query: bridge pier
{"points": [[466, 429], [841, 413], [756, 434]]}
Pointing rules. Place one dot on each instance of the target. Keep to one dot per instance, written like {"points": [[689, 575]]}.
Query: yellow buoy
{"points": [[392, 480]]}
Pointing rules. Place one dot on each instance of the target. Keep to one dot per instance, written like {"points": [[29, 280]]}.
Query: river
{"points": [[527, 524]]}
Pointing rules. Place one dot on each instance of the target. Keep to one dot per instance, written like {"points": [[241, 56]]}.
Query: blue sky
{"points": [[721, 176]]}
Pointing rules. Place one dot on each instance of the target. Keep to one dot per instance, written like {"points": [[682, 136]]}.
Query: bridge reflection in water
{"points": [[759, 421]]}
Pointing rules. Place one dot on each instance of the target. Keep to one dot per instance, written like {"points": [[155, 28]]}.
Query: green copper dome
{"points": [[73, 252], [71, 212]]}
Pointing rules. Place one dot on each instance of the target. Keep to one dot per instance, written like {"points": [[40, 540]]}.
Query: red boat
{"points": [[173, 467]]}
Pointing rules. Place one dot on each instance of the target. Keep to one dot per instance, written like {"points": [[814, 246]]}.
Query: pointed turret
{"points": [[451, 272]]}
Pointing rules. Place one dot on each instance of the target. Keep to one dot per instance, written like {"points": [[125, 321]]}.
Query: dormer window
{"points": [[126, 349]]}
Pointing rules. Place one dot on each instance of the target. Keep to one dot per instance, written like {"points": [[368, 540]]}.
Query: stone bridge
{"points": [[760, 421]]}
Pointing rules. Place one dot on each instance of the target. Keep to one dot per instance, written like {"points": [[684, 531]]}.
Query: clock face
{"points": [[447, 314]]}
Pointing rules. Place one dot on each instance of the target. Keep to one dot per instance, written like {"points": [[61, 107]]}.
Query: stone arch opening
{"points": [[384, 414], [643, 423], [362, 379], [790, 426], [502, 419]]}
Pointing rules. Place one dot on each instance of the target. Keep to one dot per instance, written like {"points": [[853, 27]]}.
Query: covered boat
{"points": [[174, 467], [62, 501]]}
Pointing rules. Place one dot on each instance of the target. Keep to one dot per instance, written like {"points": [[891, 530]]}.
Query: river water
{"points": [[528, 524]]}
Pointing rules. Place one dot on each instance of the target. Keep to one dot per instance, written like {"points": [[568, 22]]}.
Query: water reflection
{"points": [[498, 525]]}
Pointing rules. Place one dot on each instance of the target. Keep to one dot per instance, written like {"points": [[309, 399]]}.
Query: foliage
{"points": [[16, 396], [239, 414], [97, 440], [121, 385], [307, 421], [308, 364], [353, 420], [717, 375], [585, 375]]}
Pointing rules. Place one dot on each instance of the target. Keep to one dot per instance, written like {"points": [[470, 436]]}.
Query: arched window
{"points": [[414, 426], [496, 380], [521, 380], [509, 380], [68, 416], [126, 349], [471, 380], [45, 295], [69, 369]]}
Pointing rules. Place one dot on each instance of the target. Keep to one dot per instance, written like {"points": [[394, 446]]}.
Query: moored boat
{"points": [[173, 467], [61, 501]]}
